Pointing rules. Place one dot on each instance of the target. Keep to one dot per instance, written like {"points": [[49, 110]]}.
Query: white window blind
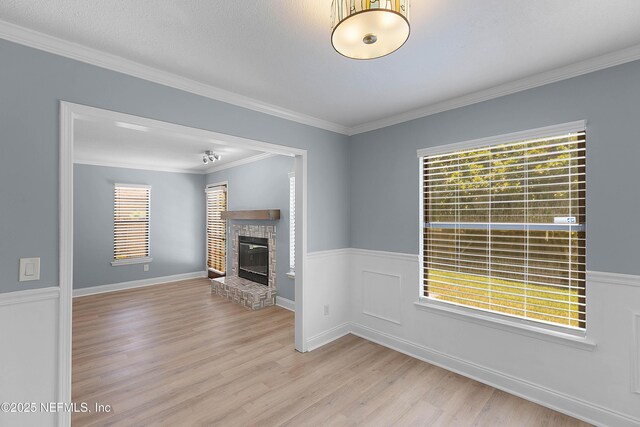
{"points": [[216, 228], [292, 222], [505, 228], [131, 222]]}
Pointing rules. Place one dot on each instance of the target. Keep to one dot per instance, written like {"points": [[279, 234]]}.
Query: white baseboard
{"points": [[136, 284], [286, 303], [326, 337], [577, 408]]}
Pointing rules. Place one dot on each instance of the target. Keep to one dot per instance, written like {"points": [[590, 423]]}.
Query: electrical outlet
{"points": [[146, 267], [326, 310]]}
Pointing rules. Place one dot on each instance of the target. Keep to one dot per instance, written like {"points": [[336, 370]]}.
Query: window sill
{"points": [[120, 262], [528, 330], [291, 275]]}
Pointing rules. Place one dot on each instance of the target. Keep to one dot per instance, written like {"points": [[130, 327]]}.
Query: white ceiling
{"points": [[105, 142], [279, 52]]}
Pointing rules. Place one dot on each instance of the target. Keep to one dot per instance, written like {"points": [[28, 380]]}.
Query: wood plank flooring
{"points": [[175, 355]]}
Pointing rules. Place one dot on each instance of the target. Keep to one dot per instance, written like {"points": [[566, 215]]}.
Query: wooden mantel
{"points": [[267, 214]]}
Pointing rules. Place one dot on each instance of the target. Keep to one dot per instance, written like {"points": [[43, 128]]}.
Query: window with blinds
{"points": [[216, 228], [504, 228], [292, 223], [131, 223]]}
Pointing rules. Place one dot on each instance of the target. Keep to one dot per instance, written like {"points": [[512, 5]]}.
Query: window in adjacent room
{"points": [[505, 225], [216, 228], [131, 224], [292, 224]]}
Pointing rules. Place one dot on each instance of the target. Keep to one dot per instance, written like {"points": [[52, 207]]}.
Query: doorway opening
{"points": [[70, 116]]}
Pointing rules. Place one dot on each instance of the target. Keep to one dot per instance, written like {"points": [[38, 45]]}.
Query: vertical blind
{"points": [[131, 221], [292, 222], [216, 227], [505, 228]]}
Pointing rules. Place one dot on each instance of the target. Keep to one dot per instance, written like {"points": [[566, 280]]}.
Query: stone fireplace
{"points": [[252, 282]]}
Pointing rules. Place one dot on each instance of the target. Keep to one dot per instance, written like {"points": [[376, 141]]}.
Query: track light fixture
{"points": [[210, 156]]}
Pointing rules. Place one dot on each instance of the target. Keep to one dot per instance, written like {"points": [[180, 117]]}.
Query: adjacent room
{"points": [[150, 208], [329, 212]]}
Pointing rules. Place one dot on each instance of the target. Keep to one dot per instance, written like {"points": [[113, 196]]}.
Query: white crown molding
{"points": [[577, 69], [78, 52], [137, 166], [240, 162]]}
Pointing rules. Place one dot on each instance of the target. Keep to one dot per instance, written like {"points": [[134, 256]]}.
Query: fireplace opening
{"points": [[253, 259]]}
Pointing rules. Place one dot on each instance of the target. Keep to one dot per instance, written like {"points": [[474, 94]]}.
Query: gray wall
{"points": [[262, 185], [177, 242], [385, 175], [31, 85]]}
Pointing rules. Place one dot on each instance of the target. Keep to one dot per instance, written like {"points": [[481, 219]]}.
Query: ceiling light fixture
{"points": [[210, 156], [368, 29]]}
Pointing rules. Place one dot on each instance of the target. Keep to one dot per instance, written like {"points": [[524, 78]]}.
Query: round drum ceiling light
{"points": [[368, 29]]}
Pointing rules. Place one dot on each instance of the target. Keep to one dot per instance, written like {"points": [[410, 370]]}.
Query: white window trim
{"points": [[292, 271], [548, 332], [227, 229], [547, 131], [131, 261], [143, 260], [504, 323]]}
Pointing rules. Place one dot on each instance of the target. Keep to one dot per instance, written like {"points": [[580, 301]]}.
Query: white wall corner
{"points": [[325, 337], [328, 292]]}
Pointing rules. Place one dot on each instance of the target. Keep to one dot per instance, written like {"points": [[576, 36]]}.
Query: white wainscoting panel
{"points": [[28, 353], [381, 295], [326, 284], [596, 386]]}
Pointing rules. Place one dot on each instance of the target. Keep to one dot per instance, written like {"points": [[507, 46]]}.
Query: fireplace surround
{"points": [[256, 246], [267, 232]]}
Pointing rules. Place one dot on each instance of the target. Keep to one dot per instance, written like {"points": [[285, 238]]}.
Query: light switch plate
{"points": [[29, 269], [146, 267]]}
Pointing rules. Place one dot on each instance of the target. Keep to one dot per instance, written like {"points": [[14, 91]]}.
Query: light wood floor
{"points": [[175, 355]]}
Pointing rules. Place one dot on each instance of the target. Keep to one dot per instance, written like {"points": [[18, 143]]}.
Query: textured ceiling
{"points": [[279, 52]]}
